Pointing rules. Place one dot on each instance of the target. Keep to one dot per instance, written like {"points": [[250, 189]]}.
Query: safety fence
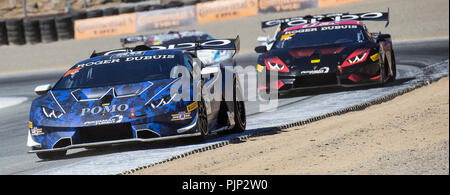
{"points": [[85, 25]]}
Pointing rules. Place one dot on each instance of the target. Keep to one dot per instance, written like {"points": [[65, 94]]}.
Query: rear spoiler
{"points": [[295, 21], [215, 44]]}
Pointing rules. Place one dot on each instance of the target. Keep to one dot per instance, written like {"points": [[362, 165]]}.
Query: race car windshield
{"points": [[117, 71], [320, 36]]}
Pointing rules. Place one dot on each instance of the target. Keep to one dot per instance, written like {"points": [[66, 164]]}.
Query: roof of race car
{"points": [[321, 24]]}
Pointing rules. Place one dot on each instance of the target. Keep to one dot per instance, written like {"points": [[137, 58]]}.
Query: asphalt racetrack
{"points": [[421, 57], [417, 61]]}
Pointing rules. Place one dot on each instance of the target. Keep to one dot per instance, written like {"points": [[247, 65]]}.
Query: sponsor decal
{"points": [[296, 21], [128, 59], [338, 27], [72, 72], [375, 57], [80, 66], [206, 44], [222, 10], [313, 28], [105, 109], [322, 70], [303, 30], [112, 120], [287, 37], [181, 116], [36, 131], [165, 18], [192, 107], [105, 26], [30, 124], [259, 68], [315, 61]]}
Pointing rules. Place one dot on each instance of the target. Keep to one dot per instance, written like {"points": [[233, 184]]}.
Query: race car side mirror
{"points": [[42, 89], [383, 37], [261, 49]]}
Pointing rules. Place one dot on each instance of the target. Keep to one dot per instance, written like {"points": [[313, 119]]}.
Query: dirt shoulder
{"points": [[407, 135]]}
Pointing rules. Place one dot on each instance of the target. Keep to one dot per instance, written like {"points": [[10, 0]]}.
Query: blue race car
{"points": [[133, 95]]}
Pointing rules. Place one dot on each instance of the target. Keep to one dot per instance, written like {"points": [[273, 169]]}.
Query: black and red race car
{"points": [[325, 51]]}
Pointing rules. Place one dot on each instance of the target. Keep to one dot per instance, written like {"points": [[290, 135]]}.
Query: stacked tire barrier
{"points": [[64, 27], [32, 31], [146, 17], [15, 31], [3, 33], [46, 29]]}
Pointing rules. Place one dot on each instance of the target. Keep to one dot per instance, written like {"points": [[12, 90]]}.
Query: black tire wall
{"points": [[48, 30], [94, 13], [64, 27], [110, 11], [32, 30], [15, 31], [3, 33]]}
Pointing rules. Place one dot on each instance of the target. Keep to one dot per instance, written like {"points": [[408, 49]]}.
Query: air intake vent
{"points": [[62, 143], [146, 134], [105, 133]]}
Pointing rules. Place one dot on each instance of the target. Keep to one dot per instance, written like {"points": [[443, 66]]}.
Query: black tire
{"points": [[202, 122], [48, 30], [51, 155], [240, 118], [3, 33], [174, 4], [94, 13], [383, 72], [394, 68], [15, 31], [79, 15], [110, 11], [142, 7], [32, 31], [126, 9], [156, 7], [64, 27]]}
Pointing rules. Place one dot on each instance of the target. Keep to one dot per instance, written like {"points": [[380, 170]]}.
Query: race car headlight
{"points": [[356, 57], [275, 64], [50, 113], [164, 100]]}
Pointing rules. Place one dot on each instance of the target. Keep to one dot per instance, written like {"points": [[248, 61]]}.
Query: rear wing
{"points": [[295, 21], [215, 44]]}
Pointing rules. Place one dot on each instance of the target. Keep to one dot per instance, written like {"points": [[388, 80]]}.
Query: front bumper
{"points": [[58, 139], [353, 76]]}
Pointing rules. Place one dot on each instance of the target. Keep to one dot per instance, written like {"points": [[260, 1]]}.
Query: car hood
{"points": [[99, 105]]}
